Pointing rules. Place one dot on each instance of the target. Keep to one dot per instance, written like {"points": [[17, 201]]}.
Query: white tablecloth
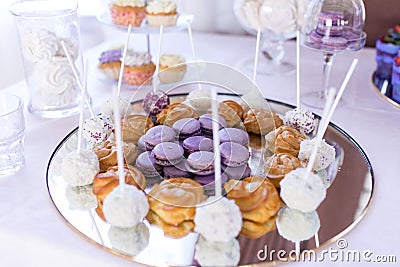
{"points": [[32, 233]]}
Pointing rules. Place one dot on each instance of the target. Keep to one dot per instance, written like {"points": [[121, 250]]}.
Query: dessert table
{"points": [[33, 234]]}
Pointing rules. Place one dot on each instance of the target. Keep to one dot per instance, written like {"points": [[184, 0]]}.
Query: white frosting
{"points": [[300, 119], [79, 168], [200, 99], [125, 206], [134, 3], [39, 44], [297, 226], [170, 60], [279, 16], [137, 58], [325, 155], [130, 240], [125, 108], [217, 253], [97, 129], [80, 197], [302, 194], [161, 6], [218, 219], [72, 49]]}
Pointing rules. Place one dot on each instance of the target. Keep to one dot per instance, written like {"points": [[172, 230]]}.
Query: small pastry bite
{"points": [[233, 154], [218, 219], [174, 231], [201, 163], [277, 166], [97, 129], [256, 197], [172, 68], [234, 135], [125, 206], [300, 193], [232, 112], [128, 12], [261, 121], [206, 124], [138, 68], [208, 253], [200, 99], [134, 126], [158, 134], [174, 112], [168, 154], [284, 139], [300, 119], [186, 127], [146, 163], [161, 12], [80, 197], [125, 108], [237, 173], [256, 230], [110, 63], [154, 102], [79, 168], [197, 143], [107, 154], [325, 154], [297, 226], [104, 183], [130, 240]]}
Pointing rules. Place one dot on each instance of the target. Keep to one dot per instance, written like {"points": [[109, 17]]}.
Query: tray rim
{"points": [[326, 244]]}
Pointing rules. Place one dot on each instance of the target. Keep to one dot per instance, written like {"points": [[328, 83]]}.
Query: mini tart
{"points": [[174, 112], [172, 74], [174, 200], [175, 231], [232, 112], [107, 154], [104, 183], [261, 121], [110, 69], [256, 197], [134, 126], [139, 75], [127, 15], [165, 19], [255, 230], [278, 165], [285, 139]]}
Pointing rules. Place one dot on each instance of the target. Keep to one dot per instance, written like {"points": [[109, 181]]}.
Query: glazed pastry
{"points": [[232, 112], [277, 166], [107, 154], [209, 253], [256, 230], [325, 154], [128, 12], [284, 139], [104, 183], [172, 68], [174, 112], [300, 119], [261, 121], [79, 168], [97, 129], [256, 197], [218, 219], [134, 126], [175, 231]]}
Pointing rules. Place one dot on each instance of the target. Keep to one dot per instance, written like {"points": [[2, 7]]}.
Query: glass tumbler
{"points": [[42, 28]]}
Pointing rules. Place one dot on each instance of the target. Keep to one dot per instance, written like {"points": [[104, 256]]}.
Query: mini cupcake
{"points": [[128, 12], [161, 12], [138, 68], [172, 68], [110, 63]]}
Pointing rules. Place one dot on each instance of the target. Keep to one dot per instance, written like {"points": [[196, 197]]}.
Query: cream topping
{"points": [[137, 58], [161, 6], [170, 60], [134, 3]]}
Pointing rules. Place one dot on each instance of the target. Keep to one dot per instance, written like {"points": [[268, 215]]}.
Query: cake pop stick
{"points": [[155, 77], [118, 137], [75, 72], [80, 128], [215, 128], [298, 69], [256, 55], [121, 71], [193, 52], [297, 248]]}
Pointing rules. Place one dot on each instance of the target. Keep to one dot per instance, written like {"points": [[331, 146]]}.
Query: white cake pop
{"points": [[78, 168], [125, 206], [209, 253], [130, 240], [81, 197], [301, 193], [297, 226], [200, 99], [326, 181], [124, 105], [300, 119], [97, 129], [218, 219], [325, 155]]}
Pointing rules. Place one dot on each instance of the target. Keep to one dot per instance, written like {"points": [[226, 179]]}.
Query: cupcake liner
{"points": [[159, 19], [172, 75], [134, 77], [126, 16], [111, 70]]}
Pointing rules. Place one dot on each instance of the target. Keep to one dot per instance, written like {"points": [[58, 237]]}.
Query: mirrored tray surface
{"points": [[347, 201]]}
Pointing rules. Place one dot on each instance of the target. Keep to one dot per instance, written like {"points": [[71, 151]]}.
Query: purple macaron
{"points": [[207, 181], [201, 163], [168, 153], [186, 127], [234, 154], [145, 162], [233, 135], [178, 170], [197, 143], [141, 144], [237, 173], [157, 135], [206, 124]]}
